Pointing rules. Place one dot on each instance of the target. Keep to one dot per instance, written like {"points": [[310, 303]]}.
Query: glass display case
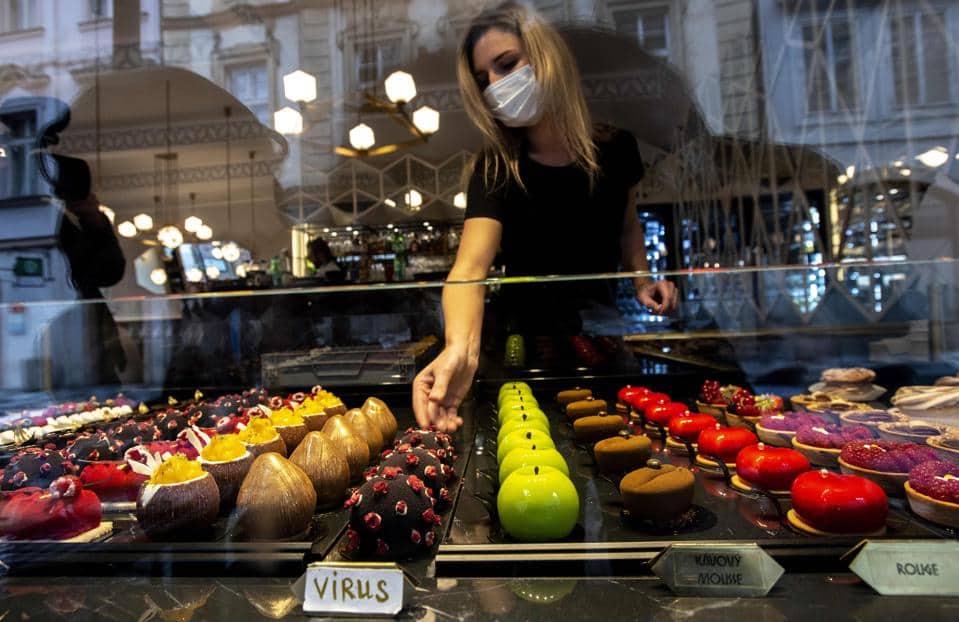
{"points": [[269, 349]]}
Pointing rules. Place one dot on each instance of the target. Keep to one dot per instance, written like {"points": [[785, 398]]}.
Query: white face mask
{"points": [[515, 100]]}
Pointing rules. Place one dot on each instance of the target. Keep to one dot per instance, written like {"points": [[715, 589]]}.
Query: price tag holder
{"points": [[368, 589], [717, 569], [909, 567]]}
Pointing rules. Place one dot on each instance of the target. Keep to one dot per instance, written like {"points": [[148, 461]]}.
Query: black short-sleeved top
{"points": [[557, 225]]}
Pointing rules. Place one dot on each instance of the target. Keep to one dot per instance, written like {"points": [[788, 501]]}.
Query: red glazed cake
{"points": [[769, 468], [112, 481], [688, 426], [64, 511], [826, 503], [723, 443]]}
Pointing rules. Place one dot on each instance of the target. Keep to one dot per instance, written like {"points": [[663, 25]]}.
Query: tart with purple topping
{"points": [[887, 463], [871, 418], [778, 429], [933, 492], [821, 444], [914, 431]]}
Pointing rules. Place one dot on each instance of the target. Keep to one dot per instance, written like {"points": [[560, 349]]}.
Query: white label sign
{"points": [[353, 589], [913, 567], [717, 569]]}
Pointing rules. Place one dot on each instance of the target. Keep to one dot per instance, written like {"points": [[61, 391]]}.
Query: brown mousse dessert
{"points": [[658, 492]]}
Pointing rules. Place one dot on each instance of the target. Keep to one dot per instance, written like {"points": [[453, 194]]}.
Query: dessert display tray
{"points": [[128, 550], [605, 542]]}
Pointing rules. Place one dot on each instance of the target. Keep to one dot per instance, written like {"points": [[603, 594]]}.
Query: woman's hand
{"points": [[661, 297], [441, 386]]}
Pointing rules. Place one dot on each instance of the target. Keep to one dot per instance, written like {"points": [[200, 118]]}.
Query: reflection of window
{"points": [[251, 85], [372, 63], [830, 62], [100, 9], [18, 15], [920, 57], [18, 171], [647, 21]]}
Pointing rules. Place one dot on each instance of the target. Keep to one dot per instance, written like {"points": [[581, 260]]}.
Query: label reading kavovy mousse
{"points": [[913, 567], [731, 570], [358, 589]]}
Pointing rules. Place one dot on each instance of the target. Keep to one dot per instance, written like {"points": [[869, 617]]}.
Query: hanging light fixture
{"points": [[413, 199], [213, 272], [231, 252], [109, 213], [459, 200], [127, 229], [362, 138], [166, 179], [400, 87], [426, 120], [143, 222], [194, 275], [935, 157], [299, 87], [288, 121], [192, 224], [204, 233], [217, 252]]}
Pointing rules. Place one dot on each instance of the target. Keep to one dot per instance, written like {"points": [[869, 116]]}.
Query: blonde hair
{"points": [[559, 80]]}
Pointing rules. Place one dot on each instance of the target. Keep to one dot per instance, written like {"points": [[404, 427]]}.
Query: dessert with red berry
{"points": [[391, 515], [887, 463], [822, 443], [780, 428], [113, 481], [686, 427], [439, 442], [34, 467], [710, 400], [827, 503], [423, 464], [768, 468], [722, 443], [747, 409], [933, 492], [62, 511]]}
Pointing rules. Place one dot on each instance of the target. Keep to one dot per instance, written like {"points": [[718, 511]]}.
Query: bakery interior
{"points": [[284, 182]]}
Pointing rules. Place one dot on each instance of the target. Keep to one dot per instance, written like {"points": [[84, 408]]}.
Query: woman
{"points": [[555, 192]]}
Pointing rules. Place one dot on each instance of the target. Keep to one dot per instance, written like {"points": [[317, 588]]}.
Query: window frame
{"points": [[820, 21], [247, 64], [622, 6], [915, 14], [31, 22]]}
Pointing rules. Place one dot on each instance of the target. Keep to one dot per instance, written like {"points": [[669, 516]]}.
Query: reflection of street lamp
{"points": [[934, 158], [288, 121], [299, 87], [158, 276]]}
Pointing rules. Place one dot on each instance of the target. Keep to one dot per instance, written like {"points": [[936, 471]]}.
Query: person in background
{"points": [[553, 191], [323, 263]]}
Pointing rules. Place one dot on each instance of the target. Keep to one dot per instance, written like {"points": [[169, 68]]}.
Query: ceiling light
{"points": [[192, 224], [361, 137], [158, 276], [905, 172], [333, 235], [390, 202], [326, 229], [349, 228], [299, 86], [143, 222], [850, 171], [194, 275], [109, 213], [897, 163], [880, 197], [426, 223], [842, 179], [213, 272], [204, 232], [934, 158], [127, 229], [459, 200], [400, 87], [356, 233], [287, 121], [170, 236], [241, 271], [217, 252], [413, 199], [231, 252], [390, 227], [426, 120]]}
